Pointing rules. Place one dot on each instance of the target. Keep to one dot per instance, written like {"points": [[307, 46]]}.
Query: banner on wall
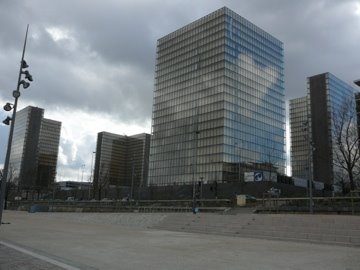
{"points": [[260, 176]]}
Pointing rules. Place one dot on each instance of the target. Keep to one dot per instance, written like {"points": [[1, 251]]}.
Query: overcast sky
{"points": [[93, 61]]}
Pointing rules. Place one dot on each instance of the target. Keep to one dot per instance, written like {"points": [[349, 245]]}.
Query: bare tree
{"points": [[272, 163], [341, 181], [346, 142], [10, 185], [103, 180]]}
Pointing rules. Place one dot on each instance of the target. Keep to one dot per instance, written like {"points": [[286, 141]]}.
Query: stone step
{"points": [[334, 229], [315, 223], [319, 230], [236, 225], [216, 224], [290, 236]]}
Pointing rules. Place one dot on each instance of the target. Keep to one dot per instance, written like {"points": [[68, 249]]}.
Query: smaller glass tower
{"points": [[34, 150]]}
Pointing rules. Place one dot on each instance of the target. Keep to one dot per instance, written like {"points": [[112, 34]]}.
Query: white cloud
{"points": [[357, 8], [58, 34], [63, 37]]}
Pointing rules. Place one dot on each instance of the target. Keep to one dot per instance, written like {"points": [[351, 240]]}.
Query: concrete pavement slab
{"points": [[111, 245], [12, 258]]}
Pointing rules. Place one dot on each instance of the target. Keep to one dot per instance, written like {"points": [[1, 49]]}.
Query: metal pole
{"points": [[310, 152], [81, 184], [12, 124], [132, 180], [238, 149], [194, 199], [82, 172], [196, 154], [91, 171]]}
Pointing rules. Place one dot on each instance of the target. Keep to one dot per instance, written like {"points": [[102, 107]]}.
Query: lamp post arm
{"points": [[22, 59]]}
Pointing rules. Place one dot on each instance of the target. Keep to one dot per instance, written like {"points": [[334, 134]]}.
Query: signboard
{"points": [[258, 176], [270, 176], [249, 176]]}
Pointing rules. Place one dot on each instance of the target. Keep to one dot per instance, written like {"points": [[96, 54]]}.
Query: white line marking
{"points": [[41, 257]]}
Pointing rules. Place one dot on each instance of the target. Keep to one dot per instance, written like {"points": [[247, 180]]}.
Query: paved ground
{"points": [[106, 241], [12, 258]]}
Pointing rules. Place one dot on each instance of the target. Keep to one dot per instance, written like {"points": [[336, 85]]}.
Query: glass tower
{"points": [[299, 124], [121, 160], [49, 138], [327, 94], [218, 101], [34, 149]]}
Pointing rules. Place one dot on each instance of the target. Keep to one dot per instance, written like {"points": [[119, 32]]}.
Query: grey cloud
{"points": [[318, 36], [117, 41]]}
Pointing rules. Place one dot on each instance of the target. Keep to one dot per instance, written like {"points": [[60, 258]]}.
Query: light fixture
{"points": [[27, 75], [7, 121], [8, 107], [16, 93], [24, 83], [24, 64]]}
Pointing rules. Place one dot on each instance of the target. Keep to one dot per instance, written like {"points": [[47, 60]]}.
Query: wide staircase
{"points": [[327, 229]]}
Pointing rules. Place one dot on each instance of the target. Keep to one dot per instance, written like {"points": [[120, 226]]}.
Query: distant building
{"points": [[299, 150], [34, 150], [121, 160], [312, 127], [73, 185], [219, 101]]}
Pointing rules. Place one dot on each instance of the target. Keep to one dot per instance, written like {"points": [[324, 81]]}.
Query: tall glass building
{"points": [[299, 126], [327, 94], [34, 150], [48, 148], [312, 128], [218, 101], [121, 160]]}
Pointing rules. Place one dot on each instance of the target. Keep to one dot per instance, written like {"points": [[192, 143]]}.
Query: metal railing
{"points": [[340, 205]]}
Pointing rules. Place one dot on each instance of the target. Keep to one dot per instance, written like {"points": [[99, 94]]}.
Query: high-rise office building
{"points": [[299, 150], [357, 101], [34, 149], [218, 101], [121, 160], [326, 96]]}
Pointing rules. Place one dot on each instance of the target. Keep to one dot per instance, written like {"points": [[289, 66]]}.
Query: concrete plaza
{"points": [[127, 241]]}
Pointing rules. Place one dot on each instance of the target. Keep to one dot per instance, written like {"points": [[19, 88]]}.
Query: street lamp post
{"points": [[132, 179], [239, 149], [91, 171], [11, 120], [310, 158], [82, 172]]}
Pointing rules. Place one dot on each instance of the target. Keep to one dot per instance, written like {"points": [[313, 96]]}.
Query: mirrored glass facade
{"points": [[218, 100], [299, 137], [34, 149], [326, 95], [49, 140], [121, 160]]}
